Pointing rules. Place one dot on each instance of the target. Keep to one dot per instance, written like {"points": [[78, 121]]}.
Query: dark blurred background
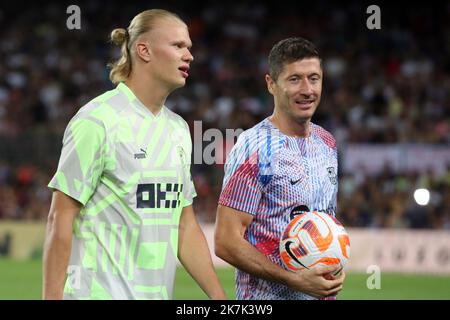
{"points": [[387, 89]]}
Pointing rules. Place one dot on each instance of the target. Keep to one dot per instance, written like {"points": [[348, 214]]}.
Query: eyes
{"points": [[181, 45], [296, 79]]}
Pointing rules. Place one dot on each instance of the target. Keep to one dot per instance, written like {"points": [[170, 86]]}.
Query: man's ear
{"points": [[270, 84], [143, 50]]}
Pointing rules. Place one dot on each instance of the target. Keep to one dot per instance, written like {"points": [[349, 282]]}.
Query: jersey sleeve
{"points": [[81, 162], [241, 189]]}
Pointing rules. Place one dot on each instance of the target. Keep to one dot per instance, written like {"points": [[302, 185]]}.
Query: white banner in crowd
{"points": [[399, 157], [394, 250]]}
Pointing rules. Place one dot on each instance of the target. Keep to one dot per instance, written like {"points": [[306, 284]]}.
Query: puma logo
{"points": [[141, 155]]}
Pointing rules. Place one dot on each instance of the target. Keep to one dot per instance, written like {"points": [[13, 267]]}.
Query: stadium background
{"points": [[385, 96]]}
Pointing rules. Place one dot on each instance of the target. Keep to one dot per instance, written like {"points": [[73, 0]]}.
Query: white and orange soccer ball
{"points": [[314, 238]]}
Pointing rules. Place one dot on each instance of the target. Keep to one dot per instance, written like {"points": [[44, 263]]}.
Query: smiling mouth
{"points": [[304, 104]]}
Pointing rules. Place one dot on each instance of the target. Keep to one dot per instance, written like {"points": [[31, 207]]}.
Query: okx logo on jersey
{"points": [[152, 195]]}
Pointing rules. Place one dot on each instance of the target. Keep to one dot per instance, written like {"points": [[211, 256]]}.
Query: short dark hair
{"points": [[290, 50]]}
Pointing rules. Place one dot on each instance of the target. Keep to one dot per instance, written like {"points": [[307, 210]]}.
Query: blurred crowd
{"points": [[387, 200], [380, 86]]}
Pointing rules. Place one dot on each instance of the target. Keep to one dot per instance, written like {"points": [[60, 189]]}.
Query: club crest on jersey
{"points": [[183, 160], [182, 155], [332, 175]]}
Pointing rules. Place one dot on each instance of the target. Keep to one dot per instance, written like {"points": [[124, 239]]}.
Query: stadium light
{"points": [[422, 196]]}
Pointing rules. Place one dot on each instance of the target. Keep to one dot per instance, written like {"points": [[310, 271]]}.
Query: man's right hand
{"points": [[315, 283]]}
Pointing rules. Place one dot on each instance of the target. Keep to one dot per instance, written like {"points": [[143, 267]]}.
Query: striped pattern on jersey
{"points": [[268, 174]]}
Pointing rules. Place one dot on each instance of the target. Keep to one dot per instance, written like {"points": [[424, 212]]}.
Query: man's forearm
{"points": [[56, 258], [195, 256], [245, 257]]}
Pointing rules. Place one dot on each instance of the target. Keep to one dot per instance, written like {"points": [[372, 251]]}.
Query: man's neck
{"points": [[148, 91], [291, 127]]}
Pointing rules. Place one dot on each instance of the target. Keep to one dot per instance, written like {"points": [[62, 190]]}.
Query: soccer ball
{"points": [[313, 238]]}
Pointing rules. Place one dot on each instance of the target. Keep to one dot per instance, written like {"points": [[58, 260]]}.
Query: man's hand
{"points": [[318, 281]]}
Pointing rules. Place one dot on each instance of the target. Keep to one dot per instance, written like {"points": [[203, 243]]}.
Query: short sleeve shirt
{"points": [[271, 176], [130, 170]]}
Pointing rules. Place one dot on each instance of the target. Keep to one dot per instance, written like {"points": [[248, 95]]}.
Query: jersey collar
{"points": [[137, 104]]}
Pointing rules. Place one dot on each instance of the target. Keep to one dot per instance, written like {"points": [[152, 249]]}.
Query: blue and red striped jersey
{"points": [[273, 176]]}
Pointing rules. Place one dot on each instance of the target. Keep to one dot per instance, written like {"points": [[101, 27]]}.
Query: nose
{"points": [[188, 57], [306, 88]]}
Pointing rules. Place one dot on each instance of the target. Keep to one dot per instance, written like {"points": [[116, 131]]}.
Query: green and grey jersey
{"points": [[131, 171]]}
